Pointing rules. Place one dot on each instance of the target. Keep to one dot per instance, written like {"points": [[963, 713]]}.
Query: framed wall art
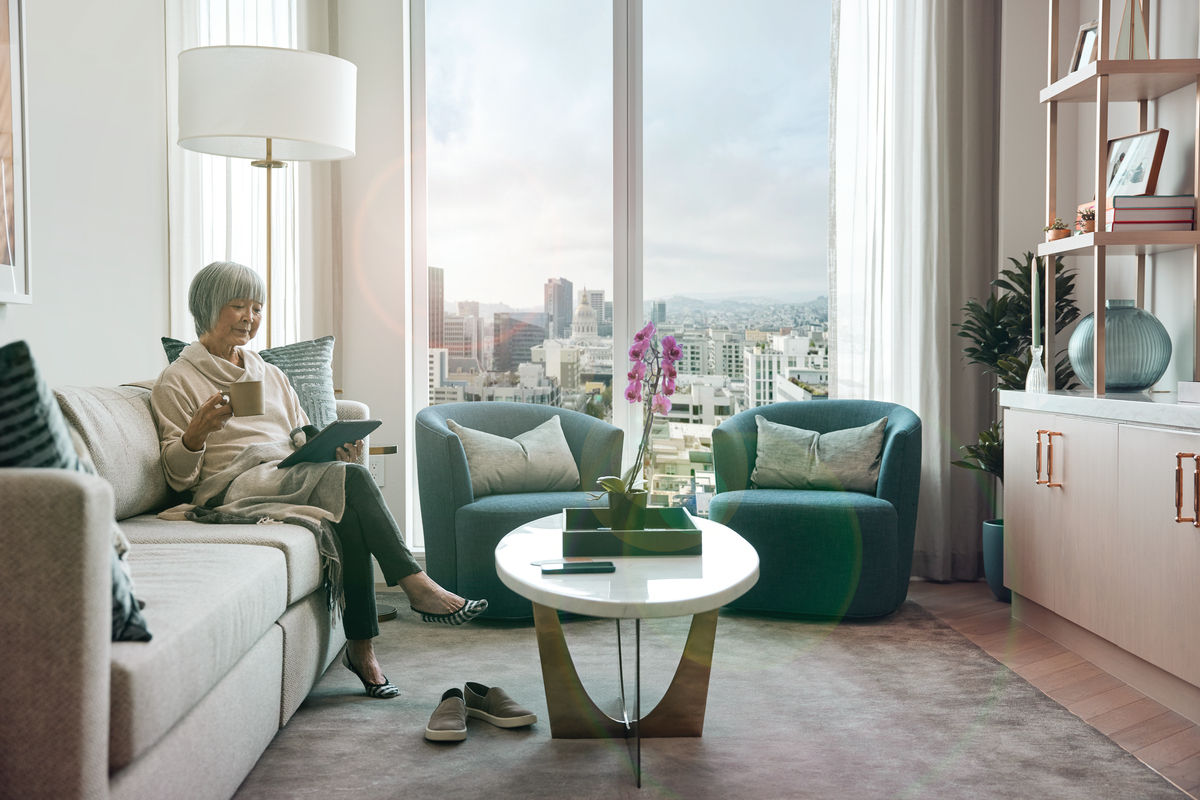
{"points": [[1133, 162], [16, 275]]}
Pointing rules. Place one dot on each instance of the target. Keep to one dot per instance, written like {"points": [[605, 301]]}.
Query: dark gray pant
{"points": [[368, 529]]}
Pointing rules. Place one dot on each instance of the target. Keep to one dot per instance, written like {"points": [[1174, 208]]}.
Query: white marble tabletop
{"points": [[641, 587]]}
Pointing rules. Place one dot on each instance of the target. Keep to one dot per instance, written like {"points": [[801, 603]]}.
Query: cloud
{"points": [[520, 145]]}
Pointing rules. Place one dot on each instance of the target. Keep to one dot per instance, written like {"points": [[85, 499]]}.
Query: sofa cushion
{"points": [[298, 545], [537, 460], [308, 365], [795, 458], [208, 604], [118, 428]]}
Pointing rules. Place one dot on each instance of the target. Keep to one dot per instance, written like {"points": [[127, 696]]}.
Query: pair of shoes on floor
{"points": [[383, 691], [449, 720], [469, 610]]}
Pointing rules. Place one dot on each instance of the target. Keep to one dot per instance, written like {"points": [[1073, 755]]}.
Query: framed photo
{"points": [[16, 277], [1085, 45], [1133, 162]]}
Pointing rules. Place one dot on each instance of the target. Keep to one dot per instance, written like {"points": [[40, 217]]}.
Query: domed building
{"points": [[583, 327]]}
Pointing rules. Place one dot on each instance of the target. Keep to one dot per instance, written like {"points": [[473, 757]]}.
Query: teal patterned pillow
{"points": [[35, 434], [173, 347], [309, 367]]}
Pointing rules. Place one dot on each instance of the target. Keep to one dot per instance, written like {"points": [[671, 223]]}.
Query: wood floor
{"points": [[1162, 739]]}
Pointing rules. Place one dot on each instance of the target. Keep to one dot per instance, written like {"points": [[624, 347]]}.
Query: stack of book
{"points": [[1148, 212]]}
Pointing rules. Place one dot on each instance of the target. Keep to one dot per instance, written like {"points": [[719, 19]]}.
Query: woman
{"points": [[229, 464]]}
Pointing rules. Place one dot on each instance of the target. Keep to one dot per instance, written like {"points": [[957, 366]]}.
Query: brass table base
{"points": [[574, 715]]}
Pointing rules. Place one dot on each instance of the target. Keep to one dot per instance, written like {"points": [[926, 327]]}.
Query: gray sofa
{"points": [[240, 625]]}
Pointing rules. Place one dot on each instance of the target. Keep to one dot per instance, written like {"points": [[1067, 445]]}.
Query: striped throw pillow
{"points": [[308, 366], [33, 432]]}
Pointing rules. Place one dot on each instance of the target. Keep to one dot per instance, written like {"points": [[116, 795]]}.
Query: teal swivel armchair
{"points": [[462, 530], [823, 553]]}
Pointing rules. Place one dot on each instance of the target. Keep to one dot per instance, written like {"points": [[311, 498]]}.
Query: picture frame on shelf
{"points": [[1085, 45], [1134, 161]]}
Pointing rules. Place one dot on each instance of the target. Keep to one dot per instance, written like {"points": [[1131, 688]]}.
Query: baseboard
{"points": [[1156, 683]]}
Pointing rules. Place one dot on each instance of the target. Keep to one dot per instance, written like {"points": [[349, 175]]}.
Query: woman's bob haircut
{"points": [[216, 285]]}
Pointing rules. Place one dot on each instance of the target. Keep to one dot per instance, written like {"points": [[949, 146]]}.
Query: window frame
{"points": [[627, 226]]}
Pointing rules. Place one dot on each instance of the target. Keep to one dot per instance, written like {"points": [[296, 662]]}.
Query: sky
{"points": [[735, 131]]}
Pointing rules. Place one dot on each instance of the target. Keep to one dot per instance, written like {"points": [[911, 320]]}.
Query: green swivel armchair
{"points": [[823, 553], [462, 530]]}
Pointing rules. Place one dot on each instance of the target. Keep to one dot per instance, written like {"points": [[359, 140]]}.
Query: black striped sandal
{"points": [[470, 610], [383, 691]]}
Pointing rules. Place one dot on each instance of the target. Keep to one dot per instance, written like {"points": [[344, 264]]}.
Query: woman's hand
{"points": [[350, 452], [211, 416]]}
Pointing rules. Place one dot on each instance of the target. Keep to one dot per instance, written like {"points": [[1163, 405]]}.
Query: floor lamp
{"points": [[269, 104]]}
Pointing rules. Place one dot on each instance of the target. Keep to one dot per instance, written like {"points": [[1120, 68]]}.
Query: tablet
{"points": [[323, 446]]}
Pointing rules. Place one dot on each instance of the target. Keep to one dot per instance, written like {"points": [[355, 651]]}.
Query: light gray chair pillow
{"points": [[795, 458], [539, 460]]}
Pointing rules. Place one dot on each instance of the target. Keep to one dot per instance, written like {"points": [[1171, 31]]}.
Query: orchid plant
{"points": [[652, 374]]}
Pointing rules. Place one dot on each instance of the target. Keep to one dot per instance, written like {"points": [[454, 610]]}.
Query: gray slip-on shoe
{"points": [[495, 706], [448, 723]]}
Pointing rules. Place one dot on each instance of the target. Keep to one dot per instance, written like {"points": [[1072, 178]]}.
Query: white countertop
{"points": [[1158, 408], [641, 586]]}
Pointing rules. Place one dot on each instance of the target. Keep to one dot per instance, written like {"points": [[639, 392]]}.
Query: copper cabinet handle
{"points": [[1049, 483], [1037, 461], [1196, 491], [1179, 457]]}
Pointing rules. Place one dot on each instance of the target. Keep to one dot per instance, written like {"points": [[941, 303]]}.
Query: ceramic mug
{"points": [[246, 397]]}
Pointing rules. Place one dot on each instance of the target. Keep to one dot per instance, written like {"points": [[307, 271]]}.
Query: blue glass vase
{"points": [[1137, 348]]}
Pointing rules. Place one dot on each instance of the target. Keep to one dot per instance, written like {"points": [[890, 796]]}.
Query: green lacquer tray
{"points": [[668, 532]]}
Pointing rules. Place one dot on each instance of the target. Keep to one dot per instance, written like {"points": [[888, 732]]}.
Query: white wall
{"points": [[1023, 155], [97, 205], [373, 339]]}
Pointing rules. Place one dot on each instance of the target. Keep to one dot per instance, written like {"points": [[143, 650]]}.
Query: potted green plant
{"points": [[998, 331], [1087, 220], [1056, 230]]}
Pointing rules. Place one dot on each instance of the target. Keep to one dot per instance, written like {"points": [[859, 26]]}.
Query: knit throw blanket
{"points": [[253, 490]]}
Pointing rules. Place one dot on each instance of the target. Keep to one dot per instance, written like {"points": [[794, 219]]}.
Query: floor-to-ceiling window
{"points": [[735, 181], [524, 287]]}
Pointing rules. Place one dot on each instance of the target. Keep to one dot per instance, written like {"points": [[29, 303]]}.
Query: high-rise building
{"points": [[725, 352], [437, 305], [558, 294], [762, 364], [468, 308], [463, 336], [514, 335], [658, 312]]}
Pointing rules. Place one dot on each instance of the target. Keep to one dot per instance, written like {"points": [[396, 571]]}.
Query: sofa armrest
{"points": [[352, 409], [735, 449], [56, 630]]}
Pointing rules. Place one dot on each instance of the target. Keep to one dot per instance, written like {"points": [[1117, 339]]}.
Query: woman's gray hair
{"points": [[216, 285]]}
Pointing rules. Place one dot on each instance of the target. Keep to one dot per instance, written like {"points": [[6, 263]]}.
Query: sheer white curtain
{"points": [[913, 130], [219, 204]]}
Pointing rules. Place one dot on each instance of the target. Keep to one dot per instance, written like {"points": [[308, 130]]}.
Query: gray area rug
{"points": [[899, 707]]}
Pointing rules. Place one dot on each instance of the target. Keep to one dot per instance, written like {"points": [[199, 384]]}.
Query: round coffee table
{"points": [[642, 587]]}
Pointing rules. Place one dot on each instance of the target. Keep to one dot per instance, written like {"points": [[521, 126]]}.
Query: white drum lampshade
{"points": [[270, 104], [232, 99]]}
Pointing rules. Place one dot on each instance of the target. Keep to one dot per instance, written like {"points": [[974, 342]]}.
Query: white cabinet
{"points": [[1154, 604], [1100, 525], [1059, 489]]}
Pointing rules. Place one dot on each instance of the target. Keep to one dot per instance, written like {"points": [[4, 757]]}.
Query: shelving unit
{"points": [[1102, 82]]}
